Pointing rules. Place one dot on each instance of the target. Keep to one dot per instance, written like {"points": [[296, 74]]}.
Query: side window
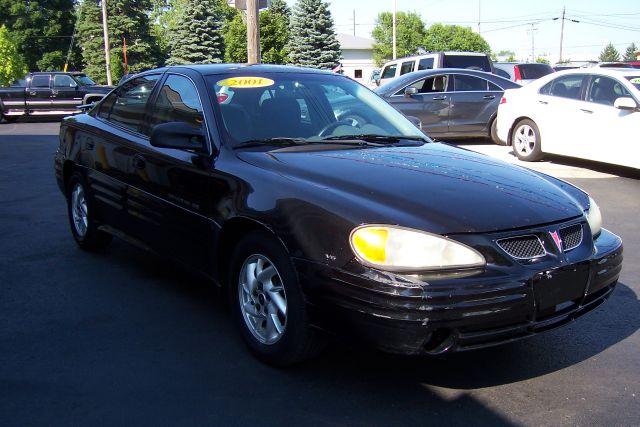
{"points": [[40, 81], [406, 67], [425, 64], [605, 90], [494, 87], [126, 106], [177, 101], [389, 71], [63, 80], [464, 83], [429, 85], [564, 87]]}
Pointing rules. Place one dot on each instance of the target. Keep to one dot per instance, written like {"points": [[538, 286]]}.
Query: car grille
{"points": [[523, 247], [571, 236]]}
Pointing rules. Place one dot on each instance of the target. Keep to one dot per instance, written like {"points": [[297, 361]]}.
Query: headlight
{"points": [[594, 217], [404, 250]]}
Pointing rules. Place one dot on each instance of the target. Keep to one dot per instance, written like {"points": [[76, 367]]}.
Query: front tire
{"points": [[268, 304], [83, 226], [526, 141]]}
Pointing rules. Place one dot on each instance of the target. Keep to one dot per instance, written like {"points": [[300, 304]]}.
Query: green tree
{"points": [[41, 30], [12, 65], [127, 20], [508, 55], [235, 40], [440, 37], [312, 42], [410, 33], [274, 33], [541, 60], [630, 53], [197, 37], [609, 54]]}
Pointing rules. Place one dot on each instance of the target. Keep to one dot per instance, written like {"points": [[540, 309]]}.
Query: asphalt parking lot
{"points": [[125, 338]]}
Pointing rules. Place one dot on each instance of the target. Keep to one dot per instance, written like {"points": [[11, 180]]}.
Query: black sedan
{"points": [[450, 103], [315, 225]]}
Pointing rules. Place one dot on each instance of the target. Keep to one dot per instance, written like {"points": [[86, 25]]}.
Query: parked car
{"points": [[522, 72], [314, 224], [433, 60], [49, 93], [590, 113], [450, 103]]}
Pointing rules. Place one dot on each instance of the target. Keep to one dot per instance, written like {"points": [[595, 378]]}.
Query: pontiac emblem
{"points": [[556, 239]]}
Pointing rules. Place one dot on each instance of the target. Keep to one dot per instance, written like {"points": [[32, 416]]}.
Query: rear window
{"points": [[534, 71], [472, 62]]}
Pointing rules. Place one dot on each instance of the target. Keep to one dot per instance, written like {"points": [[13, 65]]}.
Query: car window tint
{"points": [[62, 80], [425, 64], [464, 83], [494, 87], [429, 85], [635, 80], [177, 101], [126, 106], [503, 73], [474, 62], [406, 67], [41, 81], [564, 87], [605, 90], [389, 71], [534, 71]]}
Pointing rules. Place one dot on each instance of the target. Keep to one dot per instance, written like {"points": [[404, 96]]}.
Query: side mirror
{"points": [[178, 135], [625, 103], [410, 91]]}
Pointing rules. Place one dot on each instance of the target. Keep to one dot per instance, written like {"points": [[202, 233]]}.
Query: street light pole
{"points": [[561, 34], [105, 29]]}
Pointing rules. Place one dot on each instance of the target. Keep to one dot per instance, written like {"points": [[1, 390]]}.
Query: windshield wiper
{"points": [[380, 139], [281, 141]]}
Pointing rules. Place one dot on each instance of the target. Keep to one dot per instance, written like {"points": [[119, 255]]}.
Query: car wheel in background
{"points": [[526, 141], [268, 304], [83, 228]]}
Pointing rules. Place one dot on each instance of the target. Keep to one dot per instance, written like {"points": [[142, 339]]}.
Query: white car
{"points": [[590, 114]]}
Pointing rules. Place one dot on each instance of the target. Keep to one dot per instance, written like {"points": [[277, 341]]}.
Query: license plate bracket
{"points": [[554, 287]]}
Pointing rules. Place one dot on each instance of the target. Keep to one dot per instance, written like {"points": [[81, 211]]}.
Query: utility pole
{"points": [[354, 22], [561, 33], [107, 55], [533, 49], [394, 30], [253, 32], [479, 32]]}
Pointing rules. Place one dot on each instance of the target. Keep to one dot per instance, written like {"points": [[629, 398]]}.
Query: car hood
{"points": [[437, 187]]}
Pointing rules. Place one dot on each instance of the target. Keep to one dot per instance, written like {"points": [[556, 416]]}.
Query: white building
{"points": [[357, 57]]}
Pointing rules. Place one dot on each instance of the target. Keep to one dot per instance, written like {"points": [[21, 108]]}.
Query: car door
{"points": [[168, 193], [430, 104], [38, 95], [65, 94], [108, 149], [612, 132], [474, 101]]}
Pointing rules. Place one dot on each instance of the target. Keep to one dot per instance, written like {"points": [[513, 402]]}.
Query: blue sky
{"points": [[506, 25]]}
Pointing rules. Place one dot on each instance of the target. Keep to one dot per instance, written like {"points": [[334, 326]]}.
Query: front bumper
{"points": [[422, 315]]}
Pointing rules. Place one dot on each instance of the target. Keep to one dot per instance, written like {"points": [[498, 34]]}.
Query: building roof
{"points": [[349, 42]]}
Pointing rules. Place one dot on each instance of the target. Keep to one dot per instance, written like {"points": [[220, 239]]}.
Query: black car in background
{"points": [[450, 103], [314, 224]]}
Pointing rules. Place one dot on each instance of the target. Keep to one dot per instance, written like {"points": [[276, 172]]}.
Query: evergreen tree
{"points": [[630, 53], [127, 20], [609, 54], [312, 41], [409, 35], [197, 37], [41, 30], [12, 65]]}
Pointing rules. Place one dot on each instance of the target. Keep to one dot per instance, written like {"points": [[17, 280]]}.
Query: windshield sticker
{"points": [[243, 82], [635, 81]]}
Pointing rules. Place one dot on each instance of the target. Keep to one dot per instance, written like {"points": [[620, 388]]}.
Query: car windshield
{"points": [[301, 108], [473, 62], [84, 80], [635, 80]]}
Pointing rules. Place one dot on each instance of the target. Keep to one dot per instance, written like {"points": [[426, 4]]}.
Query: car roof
{"points": [[400, 81], [614, 72], [211, 69]]}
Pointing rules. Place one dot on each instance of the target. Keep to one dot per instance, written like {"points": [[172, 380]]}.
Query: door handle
{"points": [[543, 102], [586, 111], [489, 97], [439, 98], [33, 93], [139, 162]]}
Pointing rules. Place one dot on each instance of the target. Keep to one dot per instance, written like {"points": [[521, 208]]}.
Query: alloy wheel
{"points": [[79, 210], [525, 140]]}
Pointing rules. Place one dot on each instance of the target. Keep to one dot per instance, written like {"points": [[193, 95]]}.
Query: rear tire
{"points": [[80, 210], [493, 133], [268, 304], [526, 141]]}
